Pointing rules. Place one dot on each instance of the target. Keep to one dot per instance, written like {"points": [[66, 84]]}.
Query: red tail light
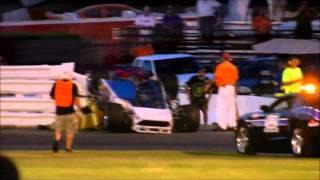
{"points": [[313, 123]]}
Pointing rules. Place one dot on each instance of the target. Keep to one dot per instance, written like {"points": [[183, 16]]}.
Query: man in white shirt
{"points": [[145, 20], [206, 10]]}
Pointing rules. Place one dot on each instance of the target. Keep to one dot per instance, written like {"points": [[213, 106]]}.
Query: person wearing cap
{"points": [[292, 77], [226, 76], [65, 94]]}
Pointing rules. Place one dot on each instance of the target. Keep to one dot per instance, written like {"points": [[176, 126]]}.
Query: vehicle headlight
{"points": [[309, 88]]}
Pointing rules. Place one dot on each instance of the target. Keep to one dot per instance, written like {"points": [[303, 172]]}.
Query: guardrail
{"points": [[24, 90]]}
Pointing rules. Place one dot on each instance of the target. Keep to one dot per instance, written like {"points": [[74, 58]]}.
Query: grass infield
{"points": [[96, 165]]}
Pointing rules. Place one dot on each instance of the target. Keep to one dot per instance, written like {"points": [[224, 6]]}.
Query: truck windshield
{"points": [[176, 66]]}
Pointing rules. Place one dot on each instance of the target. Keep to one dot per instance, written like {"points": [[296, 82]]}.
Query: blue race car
{"points": [[290, 124]]}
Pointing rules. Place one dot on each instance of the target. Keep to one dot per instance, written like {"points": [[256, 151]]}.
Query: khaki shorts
{"points": [[67, 123]]}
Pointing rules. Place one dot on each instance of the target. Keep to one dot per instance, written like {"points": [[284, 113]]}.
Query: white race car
{"points": [[129, 105]]}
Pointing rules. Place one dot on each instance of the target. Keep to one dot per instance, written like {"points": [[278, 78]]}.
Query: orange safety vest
{"points": [[63, 93]]}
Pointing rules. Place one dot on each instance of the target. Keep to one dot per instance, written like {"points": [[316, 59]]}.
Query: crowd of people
{"points": [[166, 35]]}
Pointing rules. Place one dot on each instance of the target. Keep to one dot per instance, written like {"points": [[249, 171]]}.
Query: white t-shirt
{"points": [[207, 7], [145, 21]]}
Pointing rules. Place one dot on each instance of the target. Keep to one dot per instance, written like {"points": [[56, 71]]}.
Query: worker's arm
{"points": [[76, 96], [287, 83], [52, 91], [286, 80], [77, 103], [208, 85], [188, 85]]}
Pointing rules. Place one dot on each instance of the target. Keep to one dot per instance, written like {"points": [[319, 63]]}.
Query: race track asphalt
{"points": [[203, 140]]}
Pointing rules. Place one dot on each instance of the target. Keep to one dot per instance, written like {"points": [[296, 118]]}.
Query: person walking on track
{"points": [[65, 95]]}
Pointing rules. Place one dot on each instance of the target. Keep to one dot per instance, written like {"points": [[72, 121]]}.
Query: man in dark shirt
{"points": [[197, 94], [172, 20], [65, 94], [171, 30]]}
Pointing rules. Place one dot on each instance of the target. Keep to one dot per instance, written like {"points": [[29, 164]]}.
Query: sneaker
{"points": [[55, 147]]}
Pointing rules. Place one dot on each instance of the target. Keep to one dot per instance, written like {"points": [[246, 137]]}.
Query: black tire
{"points": [[244, 140], [118, 120], [301, 145], [189, 119], [193, 118]]}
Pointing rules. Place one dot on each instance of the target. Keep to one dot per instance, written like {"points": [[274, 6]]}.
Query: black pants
{"points": [[202, 105]]}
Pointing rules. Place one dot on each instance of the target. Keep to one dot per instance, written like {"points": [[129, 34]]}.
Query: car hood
{"points": [[153, 114]]}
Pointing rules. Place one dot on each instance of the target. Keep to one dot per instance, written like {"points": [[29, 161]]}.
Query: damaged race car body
{"points": [[131, 106], [149, 96]]}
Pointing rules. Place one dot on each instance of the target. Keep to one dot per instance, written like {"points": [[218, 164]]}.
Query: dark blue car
{"points": [[290, 124]]}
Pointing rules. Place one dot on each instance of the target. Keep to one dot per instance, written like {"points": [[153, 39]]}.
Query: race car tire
{"points": [[301, 145], [118, 120], [189, 120], [244, 140], [193, 118]]}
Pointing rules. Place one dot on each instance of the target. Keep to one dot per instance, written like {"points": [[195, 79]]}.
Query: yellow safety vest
{"points": [[291, 74]]}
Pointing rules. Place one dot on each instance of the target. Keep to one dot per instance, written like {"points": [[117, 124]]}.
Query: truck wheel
{"points": [[118, 120], [244, 140], [300, 143]]}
